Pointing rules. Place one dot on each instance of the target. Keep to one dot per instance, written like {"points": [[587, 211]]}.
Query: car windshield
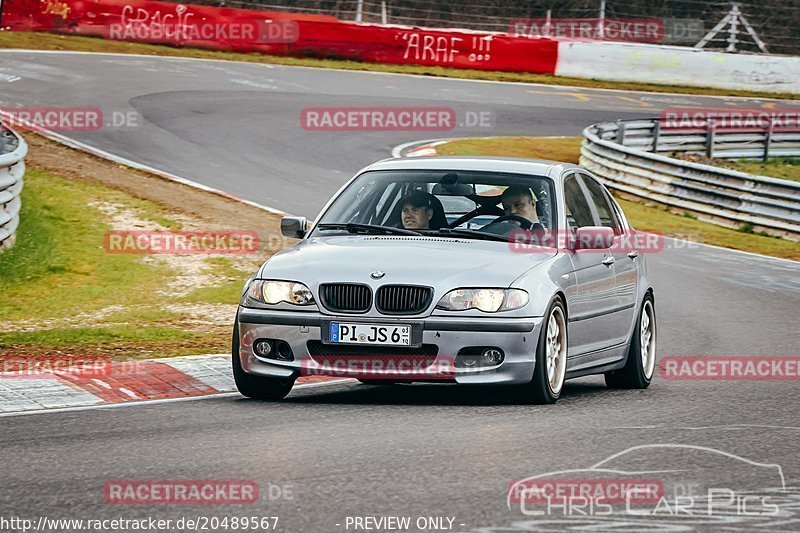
{"points": [[465, 204]]}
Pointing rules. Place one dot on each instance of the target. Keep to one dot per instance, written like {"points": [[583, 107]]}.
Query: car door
{"points": [[626, 257], [592, 325]]}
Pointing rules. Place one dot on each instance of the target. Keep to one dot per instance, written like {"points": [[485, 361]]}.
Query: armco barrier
{"points": [[12, 167], [625, 156]]}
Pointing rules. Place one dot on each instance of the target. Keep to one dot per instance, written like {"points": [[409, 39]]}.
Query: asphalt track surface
{"points": [[421, 450]]}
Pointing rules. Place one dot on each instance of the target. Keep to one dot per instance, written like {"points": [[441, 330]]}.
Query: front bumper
{"points": [[516, 337]]}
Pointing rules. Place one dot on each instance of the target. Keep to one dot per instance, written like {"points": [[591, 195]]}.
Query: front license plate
{"points": [[380, 334]]}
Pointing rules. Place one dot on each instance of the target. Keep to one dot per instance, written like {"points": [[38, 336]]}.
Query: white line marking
{"points": [[129, 393], [397, 151], [729, 426], [101, 383], [163, 400], [422, 76]]}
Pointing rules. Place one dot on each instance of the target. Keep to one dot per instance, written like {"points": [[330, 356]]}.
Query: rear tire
{"points": [[640, 365], [256, 387], [549, 370]]}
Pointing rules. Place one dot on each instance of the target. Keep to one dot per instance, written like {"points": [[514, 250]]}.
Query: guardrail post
{"points": [[710, 139], [768, 137], [656, 134], [620, 133]]}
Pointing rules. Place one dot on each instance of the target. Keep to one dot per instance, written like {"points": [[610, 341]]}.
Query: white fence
{"points": [[12, 168], [673, 65], [625, 155]]}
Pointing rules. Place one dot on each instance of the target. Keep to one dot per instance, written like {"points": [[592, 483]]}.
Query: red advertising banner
{"points": [[280, 33]]}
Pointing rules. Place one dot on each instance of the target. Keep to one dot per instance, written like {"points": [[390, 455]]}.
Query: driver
{"points": [[520, 201], [417, 210]]}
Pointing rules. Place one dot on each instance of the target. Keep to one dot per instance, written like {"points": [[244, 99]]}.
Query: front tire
{"points": [[256, 387], [549, 372], [640, 365]]}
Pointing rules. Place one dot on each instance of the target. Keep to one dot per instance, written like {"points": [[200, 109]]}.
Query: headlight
{"points": [[488, 300], [274, 292], [247, 284]]}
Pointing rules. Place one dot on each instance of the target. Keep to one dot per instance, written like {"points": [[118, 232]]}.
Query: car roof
{"points": [[515, 165]]}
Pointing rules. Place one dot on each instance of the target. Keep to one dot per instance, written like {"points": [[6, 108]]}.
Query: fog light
{"points": [[284, 352], [492, 356], [262, 348]]}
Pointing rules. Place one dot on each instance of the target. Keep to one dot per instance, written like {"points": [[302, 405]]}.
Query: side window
{"points": [[579, 214], [605, 210]]}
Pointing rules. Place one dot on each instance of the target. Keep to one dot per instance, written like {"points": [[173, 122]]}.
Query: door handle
{"points": [[633, 254], [608, 261]]}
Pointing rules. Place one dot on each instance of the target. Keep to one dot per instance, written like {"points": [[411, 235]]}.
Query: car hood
{"points": [[442, 263]]}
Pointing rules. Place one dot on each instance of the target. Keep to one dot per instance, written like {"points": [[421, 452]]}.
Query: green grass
{"points": [[77, 336], [59, 268], [642, 217], [657, 219], [228, 290], [553, 148], [787, 168], [58, 265], [47, 41]]}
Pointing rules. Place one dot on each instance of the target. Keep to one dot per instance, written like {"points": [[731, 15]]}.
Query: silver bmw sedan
{"points": [[468, 270]]}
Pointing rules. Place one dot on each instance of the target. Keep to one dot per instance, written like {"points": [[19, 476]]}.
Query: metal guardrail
{"points": [[660, 136], [12, 168], [627, 157]]}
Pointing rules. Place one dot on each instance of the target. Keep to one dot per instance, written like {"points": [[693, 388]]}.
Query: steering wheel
{"points": [[523, 222]]}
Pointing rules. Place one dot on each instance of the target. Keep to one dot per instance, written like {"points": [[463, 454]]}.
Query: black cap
{"points": [[418, 199]]}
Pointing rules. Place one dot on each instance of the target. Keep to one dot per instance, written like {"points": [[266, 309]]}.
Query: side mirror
{"points": [[592, 238], [294, 227]]}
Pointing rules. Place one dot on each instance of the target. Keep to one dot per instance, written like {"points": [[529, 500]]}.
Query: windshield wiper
{"points": [[352, 227], [461, 232]]}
